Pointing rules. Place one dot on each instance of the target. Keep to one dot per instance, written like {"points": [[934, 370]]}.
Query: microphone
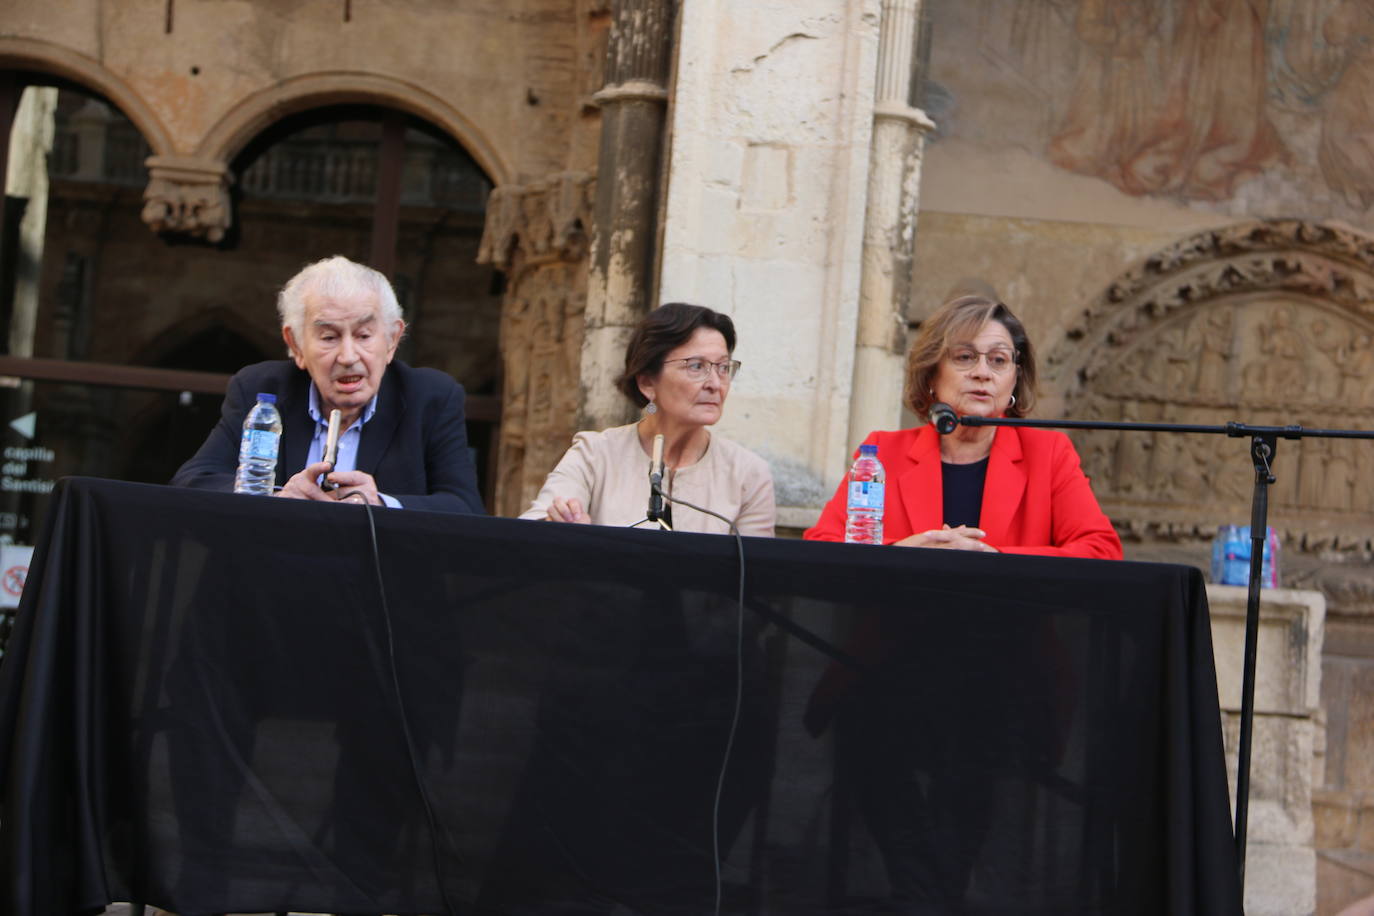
{"points": [[656, 481], [331, 447], [944, 418]]}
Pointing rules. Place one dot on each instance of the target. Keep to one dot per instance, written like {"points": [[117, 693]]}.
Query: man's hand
{"points": [[303, 485], [355, 487]]}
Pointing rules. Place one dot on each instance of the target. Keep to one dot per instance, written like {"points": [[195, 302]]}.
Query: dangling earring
{"points": [[650, 407]]}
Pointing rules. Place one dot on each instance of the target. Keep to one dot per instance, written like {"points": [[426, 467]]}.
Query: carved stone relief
{"points": [[188, 196], [1268, 323], [538, 235]]}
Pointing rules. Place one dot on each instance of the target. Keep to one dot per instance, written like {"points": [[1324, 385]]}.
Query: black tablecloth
{"points": [[207, 706]]}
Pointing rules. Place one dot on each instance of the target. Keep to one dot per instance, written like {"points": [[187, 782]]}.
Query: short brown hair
{"points": [[957, 320], [669, 326]]}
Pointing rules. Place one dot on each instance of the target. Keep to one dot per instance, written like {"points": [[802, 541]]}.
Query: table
{"points": [[208, 706]]}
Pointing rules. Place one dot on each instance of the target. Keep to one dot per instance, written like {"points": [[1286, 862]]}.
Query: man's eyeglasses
{"points": [[696, 368], [999, 359]]}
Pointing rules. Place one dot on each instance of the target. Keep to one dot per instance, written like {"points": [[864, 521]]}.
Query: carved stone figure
{"points": [[1355, 363], [1214, 332], [538, 234], [1277, 368], [187, 196]]}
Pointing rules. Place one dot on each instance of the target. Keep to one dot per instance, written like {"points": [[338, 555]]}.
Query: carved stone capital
{"points": [[187, 195], [539, 222]]}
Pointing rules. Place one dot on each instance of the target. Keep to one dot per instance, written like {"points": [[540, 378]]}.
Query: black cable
{"points": [[405, 724], [739, 690]]}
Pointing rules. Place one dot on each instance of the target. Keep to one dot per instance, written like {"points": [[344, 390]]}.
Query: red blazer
{"points": [[1036, 498]]}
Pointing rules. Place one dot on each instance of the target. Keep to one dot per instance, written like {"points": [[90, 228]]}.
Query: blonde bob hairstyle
{"points": [[959, 321]]}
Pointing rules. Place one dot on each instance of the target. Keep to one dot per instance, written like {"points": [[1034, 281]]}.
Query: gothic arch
{"points": [[43, 56], [1268, 322], [172, 338], [253, 114], [1328, 266]]}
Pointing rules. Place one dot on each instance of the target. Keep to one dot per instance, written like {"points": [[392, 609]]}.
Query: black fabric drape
{"points": [[198, 712]]}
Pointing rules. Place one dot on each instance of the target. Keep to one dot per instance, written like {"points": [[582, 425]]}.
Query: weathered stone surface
{"points": [[766, 201], [1290, 641], [1270, 888], [1280, 858]]}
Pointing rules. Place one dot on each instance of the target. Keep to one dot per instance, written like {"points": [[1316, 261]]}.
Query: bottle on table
{"points": [[864, 520], [258, 448]]}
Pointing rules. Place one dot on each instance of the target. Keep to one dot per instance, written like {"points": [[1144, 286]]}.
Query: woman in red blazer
{"points": [[986, 488]]}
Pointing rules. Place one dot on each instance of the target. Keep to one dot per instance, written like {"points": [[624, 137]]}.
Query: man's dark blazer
{"points": [[415, 446]]}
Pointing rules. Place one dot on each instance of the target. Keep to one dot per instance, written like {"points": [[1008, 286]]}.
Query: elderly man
{"points": [[404, 441]]}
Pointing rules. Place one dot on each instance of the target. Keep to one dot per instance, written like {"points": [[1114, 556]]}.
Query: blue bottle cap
{"points": [[868, 450], [267, 396]]}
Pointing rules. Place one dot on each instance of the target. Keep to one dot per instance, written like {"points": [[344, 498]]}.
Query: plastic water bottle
{"points": [[1231, 557], [864, 522], [258, 448]]}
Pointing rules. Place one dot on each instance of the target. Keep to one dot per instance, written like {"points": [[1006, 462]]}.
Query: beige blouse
{"points": [[609, 472]]}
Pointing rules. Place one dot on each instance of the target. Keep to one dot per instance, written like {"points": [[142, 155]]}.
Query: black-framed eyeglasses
{"points": [[1000, 359], [696, 368]]}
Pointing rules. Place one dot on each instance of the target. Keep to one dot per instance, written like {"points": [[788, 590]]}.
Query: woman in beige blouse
{"points": [[678, 369]]}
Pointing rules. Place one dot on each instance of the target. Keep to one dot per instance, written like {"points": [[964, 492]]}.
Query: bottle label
{"points": [[259, 445], [866, 494]]}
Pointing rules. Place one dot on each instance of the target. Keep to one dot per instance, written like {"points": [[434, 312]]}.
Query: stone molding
{"points": [[539, 222], [1289, 255], [632, 91], [897, 111], [187, 195]]}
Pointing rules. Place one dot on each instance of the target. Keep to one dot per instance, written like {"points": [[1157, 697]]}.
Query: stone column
{"points": [[894, 174], [621, 284]]}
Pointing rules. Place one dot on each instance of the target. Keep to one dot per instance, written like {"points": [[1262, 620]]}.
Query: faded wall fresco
{"points": [[1253, 102]]}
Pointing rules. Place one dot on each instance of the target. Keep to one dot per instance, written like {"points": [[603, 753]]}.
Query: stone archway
{"points": [[254, 113], [45, 57], [185, 194], [1266, 322]]}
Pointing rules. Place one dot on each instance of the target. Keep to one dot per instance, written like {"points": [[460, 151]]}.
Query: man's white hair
{"points": [[335, 278]]}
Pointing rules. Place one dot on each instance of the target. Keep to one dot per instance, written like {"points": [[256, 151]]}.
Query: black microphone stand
{"points": [[655, 513], [1263, 444]]}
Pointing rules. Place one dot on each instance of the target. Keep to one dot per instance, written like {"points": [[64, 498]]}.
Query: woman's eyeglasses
{"points": [[696, 368], [999, 359]]}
